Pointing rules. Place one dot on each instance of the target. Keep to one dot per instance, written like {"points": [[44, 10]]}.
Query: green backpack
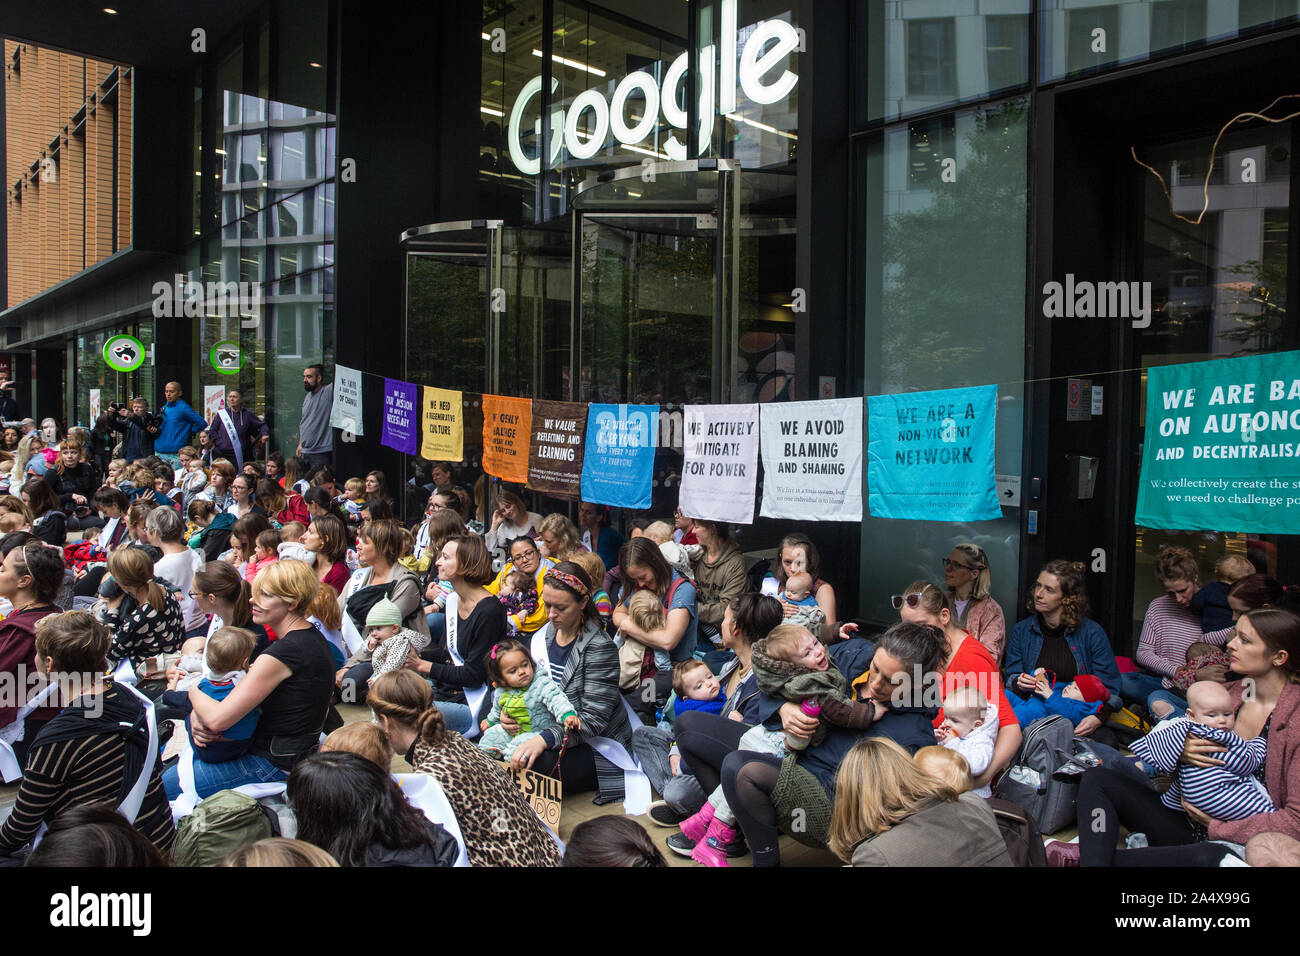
{"points": [[219, 826]]}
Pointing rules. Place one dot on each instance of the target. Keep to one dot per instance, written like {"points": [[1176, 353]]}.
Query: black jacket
{"points": [[442, 853], [141, 430], [80, 480]]}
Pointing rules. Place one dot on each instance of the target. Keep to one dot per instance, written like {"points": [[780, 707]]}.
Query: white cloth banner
{"points": [[721, 462], [214, 400], [345, 413], [812, 460]]}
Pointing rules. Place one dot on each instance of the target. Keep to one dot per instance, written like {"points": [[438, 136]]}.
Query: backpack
{"points": [[1019, 832], [1049, 745], [219, 826]]}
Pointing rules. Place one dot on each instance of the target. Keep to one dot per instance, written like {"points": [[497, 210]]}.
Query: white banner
{"points": [[214, 400], [94, 406], [812, 460], [346, 412], [721, 462]]}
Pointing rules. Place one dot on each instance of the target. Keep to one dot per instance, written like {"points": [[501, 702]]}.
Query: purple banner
{"points": [[401, 431]]}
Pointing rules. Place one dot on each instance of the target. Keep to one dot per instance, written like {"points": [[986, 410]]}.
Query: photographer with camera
{"points": [[140, 425]]}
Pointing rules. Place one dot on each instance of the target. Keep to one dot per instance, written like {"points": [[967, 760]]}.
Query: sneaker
{"points": [[681, 844], [664, 816]]}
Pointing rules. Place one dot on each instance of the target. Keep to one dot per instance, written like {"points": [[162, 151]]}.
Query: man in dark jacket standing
{"points": [[141, 429]]}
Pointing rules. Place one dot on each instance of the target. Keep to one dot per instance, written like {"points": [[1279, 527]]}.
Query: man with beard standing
{"points": [[315, 437]]}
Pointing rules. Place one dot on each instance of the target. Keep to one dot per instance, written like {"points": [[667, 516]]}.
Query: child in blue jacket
{"points": [[1082, 697]]}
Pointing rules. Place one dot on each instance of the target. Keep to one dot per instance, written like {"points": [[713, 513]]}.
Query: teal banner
{"points": [[1222, 446]]}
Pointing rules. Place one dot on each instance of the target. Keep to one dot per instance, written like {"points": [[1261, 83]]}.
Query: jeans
{"points": [[320, 458], [1135, 687], [210, 778], [437, 628], [356, 683], [456, 716], [1179, 704], [683, 792]]}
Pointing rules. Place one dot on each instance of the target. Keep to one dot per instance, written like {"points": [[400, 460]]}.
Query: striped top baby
{"points": [[1230, 792]]}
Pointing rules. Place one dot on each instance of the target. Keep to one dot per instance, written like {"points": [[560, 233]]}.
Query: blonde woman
{"points": [[291, 681], [889, 812], [560, 537], [966, 573]]}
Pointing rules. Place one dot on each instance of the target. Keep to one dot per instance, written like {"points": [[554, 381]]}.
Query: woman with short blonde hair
{"points": [[292, 681], [889, 812]]}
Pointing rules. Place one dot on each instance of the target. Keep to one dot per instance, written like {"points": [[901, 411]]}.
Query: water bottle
{"points": [[812, 709]]}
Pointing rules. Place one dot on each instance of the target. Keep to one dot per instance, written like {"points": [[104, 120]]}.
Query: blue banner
{"points": [[618, 463], [930, 455]]}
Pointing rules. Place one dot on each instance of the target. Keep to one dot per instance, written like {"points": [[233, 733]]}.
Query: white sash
{"points": [[235, 442], [9, 769], [636, 785], [474, 696], [130, 807], [423, 792], [124, 673]]}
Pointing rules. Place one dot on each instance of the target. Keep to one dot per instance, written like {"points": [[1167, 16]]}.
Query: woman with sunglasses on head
{"points": [[965, 662], [966, 573], [1061, 638]]}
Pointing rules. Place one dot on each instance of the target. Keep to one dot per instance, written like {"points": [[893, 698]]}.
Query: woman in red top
{"points": [[30, 577], [328, 539], [283, 507], [969, 662]]}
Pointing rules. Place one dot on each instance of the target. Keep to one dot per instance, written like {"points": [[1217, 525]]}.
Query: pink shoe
{"points": [[694, 828], [712, 850], [1060, 853]]}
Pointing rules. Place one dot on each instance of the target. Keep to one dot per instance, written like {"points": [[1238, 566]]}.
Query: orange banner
{"points": [[507, 428]]}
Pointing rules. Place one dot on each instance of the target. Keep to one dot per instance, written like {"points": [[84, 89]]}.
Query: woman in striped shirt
{"points": [[96, 749], [1168, 630]]}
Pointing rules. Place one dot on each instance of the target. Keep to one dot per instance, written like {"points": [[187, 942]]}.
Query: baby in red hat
{"points": [[1082, 697]]}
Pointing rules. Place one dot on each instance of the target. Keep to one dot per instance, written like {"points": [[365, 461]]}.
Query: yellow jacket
{"points": [[535, 620]]}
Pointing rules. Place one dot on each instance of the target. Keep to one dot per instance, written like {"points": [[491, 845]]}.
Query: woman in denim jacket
{"points": [[1062, 639]]}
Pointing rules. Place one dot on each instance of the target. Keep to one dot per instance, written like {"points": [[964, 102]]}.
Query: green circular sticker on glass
{"points": [[226, 357], [124, 353]]}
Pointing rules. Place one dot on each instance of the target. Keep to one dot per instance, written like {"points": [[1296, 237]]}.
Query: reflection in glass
{"points": [[945, 287]]}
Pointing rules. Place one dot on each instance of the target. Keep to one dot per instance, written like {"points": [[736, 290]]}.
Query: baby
{"points": [[528, 695], [225, 664], [1199, 655], [519, 595], [354, 498], [388, 642], [292, 531], [1229, 792], [970, 727], [1211, 601], [265, 553], [696, 688], [798, 593], [647, 613], [659, 532], [792, 664], [1082, 697], [947, 766], [191, 481]]}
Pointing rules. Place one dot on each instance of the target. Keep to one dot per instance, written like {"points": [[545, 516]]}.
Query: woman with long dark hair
{"points": [[357, 814]]}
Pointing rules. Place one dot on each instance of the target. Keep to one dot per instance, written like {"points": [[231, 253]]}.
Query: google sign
{"points": [[759, 72]]}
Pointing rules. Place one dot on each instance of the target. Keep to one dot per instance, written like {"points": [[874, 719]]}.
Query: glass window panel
{"points": [[1219, 289], [944, 287], [1077, 39], [920, 55]]}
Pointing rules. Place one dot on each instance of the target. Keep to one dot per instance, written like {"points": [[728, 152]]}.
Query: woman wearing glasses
{"points": [[966, 662], [966, 572], [1061, 638]]}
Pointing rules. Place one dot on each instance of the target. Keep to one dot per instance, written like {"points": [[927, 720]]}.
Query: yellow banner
{"points": [[442, 425]]}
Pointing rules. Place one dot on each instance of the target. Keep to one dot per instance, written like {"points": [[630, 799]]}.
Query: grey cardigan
{"points": [[960, 832], [591, 684]]}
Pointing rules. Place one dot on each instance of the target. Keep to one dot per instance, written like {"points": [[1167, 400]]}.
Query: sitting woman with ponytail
{"points": [[153, 623], [584, 662], [511, 834]]}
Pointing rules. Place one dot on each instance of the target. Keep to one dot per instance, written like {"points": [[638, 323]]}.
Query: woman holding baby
{"points": [[1264, 703]]}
